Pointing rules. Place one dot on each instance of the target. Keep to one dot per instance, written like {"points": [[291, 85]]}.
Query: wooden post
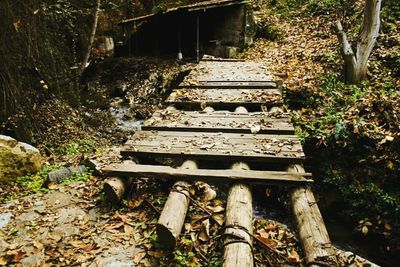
{"points": [[115, 187], [173, 215], [314, 237], [239, 224], [238, 250]]}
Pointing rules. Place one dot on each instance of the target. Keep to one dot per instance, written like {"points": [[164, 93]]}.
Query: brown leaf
{"points": [[294, 256], [204, 234], [129, 230], [138, 257], [219, 218], [3, 261], [156, 254], [263, 233], [134, 203], [216, 209], [267, 242], [77, 244]]}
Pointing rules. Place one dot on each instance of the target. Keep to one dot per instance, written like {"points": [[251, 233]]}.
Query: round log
{"points": [[115, 187], [275, 109], [208, 109], [241, 109], [172, 217], [313, 235], [239, 224]]}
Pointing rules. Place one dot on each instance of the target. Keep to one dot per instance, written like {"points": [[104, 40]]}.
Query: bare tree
{"points": [[356, 59], [91, 37]]}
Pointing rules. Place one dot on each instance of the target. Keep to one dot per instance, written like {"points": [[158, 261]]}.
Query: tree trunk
{"points": [[173, 215], [356, 61], [91, 37], [313, 235], [239, 224]]}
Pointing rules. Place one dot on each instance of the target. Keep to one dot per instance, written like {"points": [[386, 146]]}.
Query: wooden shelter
{"points": [[217, 27]]}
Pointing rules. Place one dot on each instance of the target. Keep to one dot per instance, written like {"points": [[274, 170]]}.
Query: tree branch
{"points": [[91, 38], [347, 50]]}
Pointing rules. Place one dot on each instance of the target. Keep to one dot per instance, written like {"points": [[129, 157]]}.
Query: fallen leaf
{"points": [[3, 261], [294, 256], [219, 218], [364, 230], [209, 194], [204, 234], [138, 257], [267, 241]]}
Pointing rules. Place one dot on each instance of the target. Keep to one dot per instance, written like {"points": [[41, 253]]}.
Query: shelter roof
{"points": [[205, 5]]}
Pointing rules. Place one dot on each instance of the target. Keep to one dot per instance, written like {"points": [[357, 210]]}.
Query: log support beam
{"points": [[313, 235], [173, 215], [238, 247]]}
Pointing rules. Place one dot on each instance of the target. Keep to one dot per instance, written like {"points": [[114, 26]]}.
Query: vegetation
{"points": [[350, 132]]}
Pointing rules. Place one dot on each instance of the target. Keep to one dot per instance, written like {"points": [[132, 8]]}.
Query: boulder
{"points": [[17, 159]]}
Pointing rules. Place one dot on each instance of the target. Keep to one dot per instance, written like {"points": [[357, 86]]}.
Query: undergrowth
{"points": [[34, 183]]}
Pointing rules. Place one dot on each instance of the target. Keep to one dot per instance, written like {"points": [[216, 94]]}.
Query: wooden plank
{"points": [[217, 121], [224, 98], [207, 175], [228, 72], [216, 84], [215, 146]]}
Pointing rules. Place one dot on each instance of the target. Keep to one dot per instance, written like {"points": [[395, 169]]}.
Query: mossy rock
{"points": [[17, 159]]}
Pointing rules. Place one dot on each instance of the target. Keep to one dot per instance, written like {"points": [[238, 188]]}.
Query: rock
{"points": [[17, 159], [5, 219]]}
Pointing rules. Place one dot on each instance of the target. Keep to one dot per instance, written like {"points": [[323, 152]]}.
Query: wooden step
{"points": [[207, 175], [215, 146], [216, 84], [225, 71], [218, 121], [224, 98]]}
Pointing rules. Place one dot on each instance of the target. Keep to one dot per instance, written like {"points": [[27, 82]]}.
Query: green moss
{"points": [[77, 146]]}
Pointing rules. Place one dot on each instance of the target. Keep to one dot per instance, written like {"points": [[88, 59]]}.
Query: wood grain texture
{"points": [[313, 235], [172, 218], [215, 146], [239, 224], [224, 98], [208, 175], [218, 121]]}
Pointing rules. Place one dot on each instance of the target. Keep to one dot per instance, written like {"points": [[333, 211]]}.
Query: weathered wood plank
{"points": [[228, 72], [214, 146], [216, 84], [225, 98], [217, 121], [207, 175]]}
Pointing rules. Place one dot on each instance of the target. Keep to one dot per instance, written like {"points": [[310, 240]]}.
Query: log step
{"points": [[215, 146], [196, 98], [207, 175], [218, 121]]}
